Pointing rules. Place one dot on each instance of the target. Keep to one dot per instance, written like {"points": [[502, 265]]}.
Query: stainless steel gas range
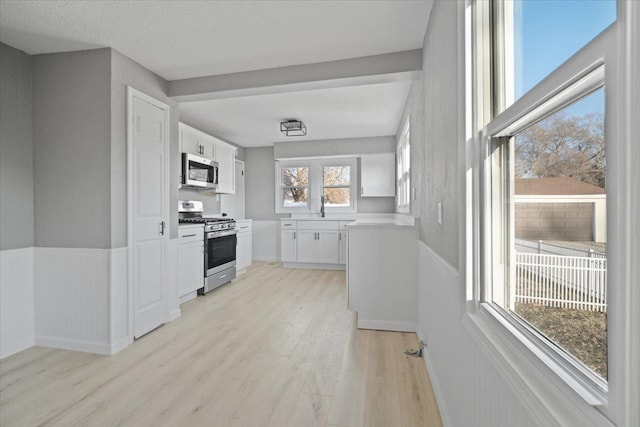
{"points": [[219, 244]]}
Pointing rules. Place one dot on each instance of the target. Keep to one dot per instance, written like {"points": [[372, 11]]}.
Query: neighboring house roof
{"points": [[555, 187]]}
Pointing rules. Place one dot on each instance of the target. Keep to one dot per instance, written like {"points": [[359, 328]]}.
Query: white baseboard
{"points": [[266, 259], [314, 266], [75, 345], [120, 345], [383, 325], [188, 297], [437, 388], [17, 346], [174, 314]]}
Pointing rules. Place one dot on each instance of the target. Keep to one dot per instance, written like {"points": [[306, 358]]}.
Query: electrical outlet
{"points": [[440, 213]]}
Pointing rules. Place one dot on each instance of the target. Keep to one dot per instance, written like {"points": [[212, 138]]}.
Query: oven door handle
{"points": [[214, 234]]}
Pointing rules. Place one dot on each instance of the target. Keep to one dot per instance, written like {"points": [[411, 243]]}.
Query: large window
{"points": [[535, 37], [303, 185], [336, 183], [544, 251], [403, 170], [295, 187]]}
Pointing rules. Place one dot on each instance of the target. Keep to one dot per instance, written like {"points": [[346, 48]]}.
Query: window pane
{"points": [[294, 197], [541, 35], [556, 272], [295, 176], [337, 197], [337, 175]]}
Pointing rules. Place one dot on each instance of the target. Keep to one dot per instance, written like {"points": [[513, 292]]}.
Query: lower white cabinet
{"points": [[288, 251], [243, 250], [190, 259], [313, 242], [343, 247]]}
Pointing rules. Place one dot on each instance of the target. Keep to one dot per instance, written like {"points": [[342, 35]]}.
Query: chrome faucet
{"points": [[322, 206]]}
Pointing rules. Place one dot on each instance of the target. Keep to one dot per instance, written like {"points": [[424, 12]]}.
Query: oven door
{"points": [[199, 171], [221, 251]]}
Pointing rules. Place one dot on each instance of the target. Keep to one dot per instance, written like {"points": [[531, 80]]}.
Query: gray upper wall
{"points": [[260, 172], [434, 137], [16, 150], [72, 149], [259, 184], [334, 147], [125, 72]]}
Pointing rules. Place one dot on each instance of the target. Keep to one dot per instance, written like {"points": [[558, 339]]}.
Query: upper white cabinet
{"points": [[378, 175], [199, 143], [196, 142], [226, 158]]}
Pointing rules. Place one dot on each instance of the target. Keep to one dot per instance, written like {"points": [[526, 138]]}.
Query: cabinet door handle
{"points": [[318, 236], [246, 226], [162, 228], [294, 235], [339, 236], [189, 235], [362, 191]]}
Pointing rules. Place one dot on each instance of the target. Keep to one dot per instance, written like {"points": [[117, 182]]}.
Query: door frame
{"points": [[132, 93]]}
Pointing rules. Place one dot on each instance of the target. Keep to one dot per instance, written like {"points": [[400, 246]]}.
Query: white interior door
{"points": [[148, 155]]}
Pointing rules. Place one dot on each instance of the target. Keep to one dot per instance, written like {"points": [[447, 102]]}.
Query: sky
{"points": [[550, 31]]}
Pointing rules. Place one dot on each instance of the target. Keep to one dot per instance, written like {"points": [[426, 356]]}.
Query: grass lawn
{"points": [[582, 333]]}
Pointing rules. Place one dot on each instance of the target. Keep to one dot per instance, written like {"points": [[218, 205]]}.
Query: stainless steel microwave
{"points": [[199, 172]]}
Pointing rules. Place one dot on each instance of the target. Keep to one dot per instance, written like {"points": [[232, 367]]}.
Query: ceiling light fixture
{"points": [[293, 128]]}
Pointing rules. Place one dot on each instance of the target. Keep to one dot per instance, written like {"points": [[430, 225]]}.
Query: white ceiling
{"points": [[254, 121], [184, 39]]}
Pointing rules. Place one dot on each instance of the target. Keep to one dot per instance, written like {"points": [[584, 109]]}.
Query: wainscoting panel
{"points": [[72, 298], [266, 240], [119, 301], [469, 388], [16, 301]]}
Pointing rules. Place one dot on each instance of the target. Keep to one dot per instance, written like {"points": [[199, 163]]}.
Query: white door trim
{"points": [[131, 93]]}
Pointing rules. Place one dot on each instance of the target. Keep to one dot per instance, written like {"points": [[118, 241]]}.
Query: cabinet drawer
{"points": [[318, 225], [190, 233], [288, 225], [243, 227]]}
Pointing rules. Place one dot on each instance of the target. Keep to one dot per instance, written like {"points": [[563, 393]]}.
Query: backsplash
{"points": [[209, 199]]}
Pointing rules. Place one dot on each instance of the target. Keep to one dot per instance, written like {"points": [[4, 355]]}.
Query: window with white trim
{"points": [[301, 183], [336, 185], [542, 186], [403, 170], [294, 188]]}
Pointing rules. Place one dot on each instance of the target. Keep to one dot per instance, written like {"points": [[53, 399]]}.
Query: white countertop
{"points": [[380, 223]]}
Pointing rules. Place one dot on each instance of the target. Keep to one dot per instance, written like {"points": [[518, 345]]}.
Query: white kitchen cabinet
{"points": [[306, 246], [382, 276], [199, 143], [243, 250], [328, 247], [190, 259], [378, 175], [311, 242], [343, 247], [196, 142], [288, 246], [226, 158]]}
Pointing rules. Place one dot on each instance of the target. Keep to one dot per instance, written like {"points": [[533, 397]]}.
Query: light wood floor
{"points": [[277, 347]]}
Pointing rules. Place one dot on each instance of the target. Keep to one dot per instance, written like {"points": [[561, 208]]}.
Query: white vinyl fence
{"points": [[561, 281]]}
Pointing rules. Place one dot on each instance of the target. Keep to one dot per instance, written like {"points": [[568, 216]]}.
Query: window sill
{"points": [[545, 387]]}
